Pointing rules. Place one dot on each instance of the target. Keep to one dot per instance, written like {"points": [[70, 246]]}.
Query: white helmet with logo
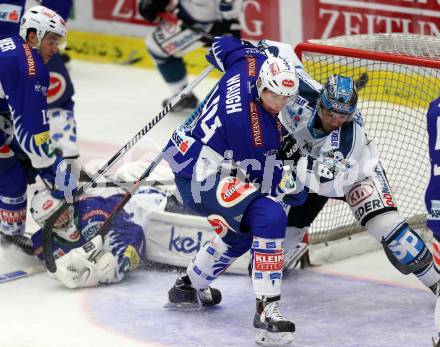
{"points": [[278, 74], [44, 205], [42, 20]]}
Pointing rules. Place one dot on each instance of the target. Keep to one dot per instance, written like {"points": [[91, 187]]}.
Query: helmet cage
{"points": [[44, 205], [339, 95]]}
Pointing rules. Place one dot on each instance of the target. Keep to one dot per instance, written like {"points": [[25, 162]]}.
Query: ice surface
{"points": [[358, 302]]}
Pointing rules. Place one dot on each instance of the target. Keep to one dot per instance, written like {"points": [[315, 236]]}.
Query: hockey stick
{"points": [[48, 226], [112, 183], [15, 275], [194, 116]]}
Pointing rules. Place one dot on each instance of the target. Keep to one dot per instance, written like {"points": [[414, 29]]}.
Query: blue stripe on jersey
{"points": [[308, 92], [347, 138]]}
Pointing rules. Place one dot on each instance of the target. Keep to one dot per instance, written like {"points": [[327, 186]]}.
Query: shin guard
{"points": [[267, 266]]}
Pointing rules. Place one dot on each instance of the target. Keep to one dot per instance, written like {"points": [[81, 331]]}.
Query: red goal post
{"points": [[398, 75]]}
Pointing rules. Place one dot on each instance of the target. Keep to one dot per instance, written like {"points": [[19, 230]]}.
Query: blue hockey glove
{"points": [[61, 176], [212, 58]]}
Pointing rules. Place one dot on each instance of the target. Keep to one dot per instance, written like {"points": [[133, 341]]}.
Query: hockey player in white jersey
{"points": [[185, 25], [325, 124]]}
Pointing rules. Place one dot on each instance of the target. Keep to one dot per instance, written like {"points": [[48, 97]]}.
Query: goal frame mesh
{"points": [[417, 51]]}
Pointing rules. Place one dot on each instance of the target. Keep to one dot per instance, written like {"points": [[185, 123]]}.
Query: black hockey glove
{"points": [[149, 9], [290, 149], [226, 27]]}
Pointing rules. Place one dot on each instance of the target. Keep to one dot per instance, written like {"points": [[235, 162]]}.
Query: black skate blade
{"points": [[184, 306]]}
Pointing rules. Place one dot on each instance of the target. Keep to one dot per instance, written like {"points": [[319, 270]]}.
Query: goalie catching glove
{"points": [[86, 266]]}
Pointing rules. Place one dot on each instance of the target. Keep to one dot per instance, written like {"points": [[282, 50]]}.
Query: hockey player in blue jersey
{"points": [[82, 259], [25, 147], [183, 32], [60, 112], [226, 169], [432, 197]]}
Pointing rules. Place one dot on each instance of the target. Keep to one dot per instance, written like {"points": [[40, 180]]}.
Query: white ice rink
{"points": [[358, 302]]}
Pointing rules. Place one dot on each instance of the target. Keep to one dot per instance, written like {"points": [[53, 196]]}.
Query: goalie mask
{"points": [[43, 205], [278, 74], [339, 96], [43, 20]]}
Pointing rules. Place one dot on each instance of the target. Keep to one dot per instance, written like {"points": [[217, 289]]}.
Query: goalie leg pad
{"points": [[215, 257], [267, 258]]}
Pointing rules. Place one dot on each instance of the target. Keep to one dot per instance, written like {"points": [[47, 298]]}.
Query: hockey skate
{"points": [[188, 102], [183, 295], [436, 342], [272, 328]]}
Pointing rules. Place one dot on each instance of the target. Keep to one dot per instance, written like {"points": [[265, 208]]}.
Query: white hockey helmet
{"points": [[43, 205], [278, 74], [43, 20]]}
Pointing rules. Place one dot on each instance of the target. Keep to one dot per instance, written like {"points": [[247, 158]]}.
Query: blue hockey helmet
{"points": [[340, 96]]}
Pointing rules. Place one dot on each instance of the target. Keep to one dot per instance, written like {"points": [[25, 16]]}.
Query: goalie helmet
{"points": [[42, 20], [44, 205], [278, 74], [339, 95]]}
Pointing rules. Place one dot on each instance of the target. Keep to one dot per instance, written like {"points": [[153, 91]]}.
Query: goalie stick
{"points": [[48, 226], [15, 275]]}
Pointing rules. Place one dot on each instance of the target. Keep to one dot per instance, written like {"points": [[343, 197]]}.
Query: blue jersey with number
{"points": [[432, 196], [24, 82], [233, 124]]}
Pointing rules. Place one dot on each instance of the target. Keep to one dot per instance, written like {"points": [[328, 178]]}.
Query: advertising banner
{"points": [[118, 10], [326, 18], [260, 17]]}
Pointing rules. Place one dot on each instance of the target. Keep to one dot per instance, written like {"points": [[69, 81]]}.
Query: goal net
{"points": [[397, 75]]}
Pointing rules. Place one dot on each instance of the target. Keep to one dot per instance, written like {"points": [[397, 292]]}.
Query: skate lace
{"points": [[272, 311]]}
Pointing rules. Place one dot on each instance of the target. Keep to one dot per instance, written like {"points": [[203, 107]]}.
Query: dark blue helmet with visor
{"points": [[339, 95]]}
